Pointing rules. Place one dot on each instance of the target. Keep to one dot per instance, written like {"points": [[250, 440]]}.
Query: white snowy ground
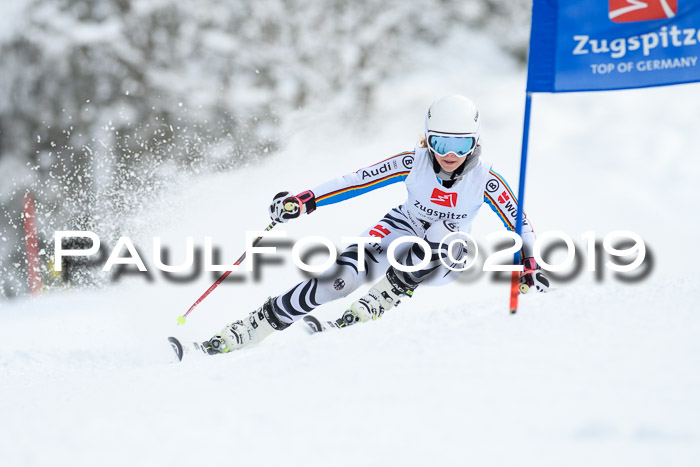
{"points": [[595, 373]]}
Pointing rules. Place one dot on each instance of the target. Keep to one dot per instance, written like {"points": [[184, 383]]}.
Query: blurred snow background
{"points": [[103, 104], [199, 112]]}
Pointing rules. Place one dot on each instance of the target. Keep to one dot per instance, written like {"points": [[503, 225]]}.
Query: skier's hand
{"points": [[533, 277], [284, 207]]}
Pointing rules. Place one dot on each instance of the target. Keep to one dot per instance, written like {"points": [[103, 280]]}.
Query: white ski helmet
{"points": [[452, 126]]}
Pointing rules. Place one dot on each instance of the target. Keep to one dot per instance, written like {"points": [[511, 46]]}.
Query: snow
{"points": [[600, 378], [594, 373]]}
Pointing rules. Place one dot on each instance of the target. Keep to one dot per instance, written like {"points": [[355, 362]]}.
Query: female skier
{"points": [[447, 183]]}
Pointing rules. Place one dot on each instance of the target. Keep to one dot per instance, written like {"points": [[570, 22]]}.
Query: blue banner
{"points": [[594, 45]]}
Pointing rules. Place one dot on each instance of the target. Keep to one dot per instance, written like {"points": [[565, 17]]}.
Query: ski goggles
{"points": [[461, 146]]}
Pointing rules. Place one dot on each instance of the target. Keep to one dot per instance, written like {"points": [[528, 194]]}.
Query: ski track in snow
{"points": [[593, 373], [604, 376]]}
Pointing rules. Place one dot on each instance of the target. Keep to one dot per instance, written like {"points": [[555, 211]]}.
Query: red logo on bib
{"points": [[631, 11], [443, 199]]}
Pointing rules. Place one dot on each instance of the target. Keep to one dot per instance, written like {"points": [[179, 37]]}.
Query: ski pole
{"points": [[182, 319]]}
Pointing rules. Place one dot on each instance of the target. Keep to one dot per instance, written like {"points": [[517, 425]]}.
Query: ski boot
{"points": [[382, 296], [257, 326]]}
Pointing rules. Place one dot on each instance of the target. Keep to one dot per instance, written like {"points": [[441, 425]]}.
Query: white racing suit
{"points": [[431, 212]]}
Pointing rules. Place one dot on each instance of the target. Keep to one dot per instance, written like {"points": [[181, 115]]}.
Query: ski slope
{"points": [[594, 373]]}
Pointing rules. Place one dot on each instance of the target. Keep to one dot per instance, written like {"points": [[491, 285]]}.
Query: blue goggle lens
{"points": [[460, 145]]}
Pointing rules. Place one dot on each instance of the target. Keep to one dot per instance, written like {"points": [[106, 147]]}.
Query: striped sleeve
{"points": [[392, 170], [502, 201]]}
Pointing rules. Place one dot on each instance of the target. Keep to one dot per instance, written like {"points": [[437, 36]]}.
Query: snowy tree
{"points": [[102, 102]]}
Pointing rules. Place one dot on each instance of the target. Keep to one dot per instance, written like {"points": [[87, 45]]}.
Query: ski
{"points": [[314, 325], [186, 348]]}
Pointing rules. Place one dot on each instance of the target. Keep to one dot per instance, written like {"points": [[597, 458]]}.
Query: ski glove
{"points": [[533, 277], [285, 207]]}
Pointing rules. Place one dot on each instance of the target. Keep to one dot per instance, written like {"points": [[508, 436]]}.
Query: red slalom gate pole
{"points": [[32, 242], [514, 291], [183, 318]]}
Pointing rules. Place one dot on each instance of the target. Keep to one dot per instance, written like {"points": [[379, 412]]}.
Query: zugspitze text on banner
{"points": [[616, 44]]}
